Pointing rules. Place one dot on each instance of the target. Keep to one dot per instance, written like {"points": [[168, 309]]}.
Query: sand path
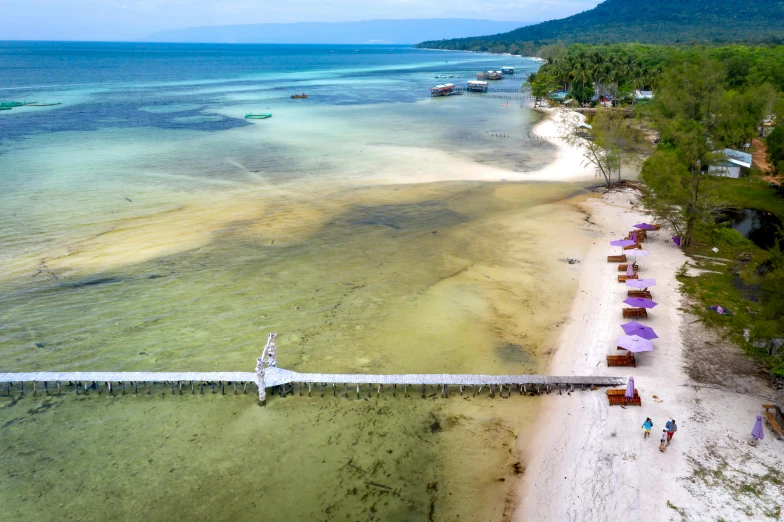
{"points": [[589, 461]]}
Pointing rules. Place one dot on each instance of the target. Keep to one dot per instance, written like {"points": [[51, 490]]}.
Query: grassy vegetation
{"points": [[750, 193], [733, 283]]}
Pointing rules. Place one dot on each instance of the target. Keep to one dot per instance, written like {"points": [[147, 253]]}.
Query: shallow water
{"points": [[146, 225]]}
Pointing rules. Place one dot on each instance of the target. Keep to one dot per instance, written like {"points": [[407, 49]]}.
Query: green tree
{"points": [[684, 108], [775, 144]]}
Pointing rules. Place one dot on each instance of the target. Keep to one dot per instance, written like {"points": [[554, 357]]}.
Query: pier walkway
{"points": [[268, 375]]}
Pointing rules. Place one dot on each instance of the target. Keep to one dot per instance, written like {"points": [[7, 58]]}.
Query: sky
{"points": [[130, 19]]}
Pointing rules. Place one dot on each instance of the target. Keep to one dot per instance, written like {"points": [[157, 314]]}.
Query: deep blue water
{"points": [[104, 85]]}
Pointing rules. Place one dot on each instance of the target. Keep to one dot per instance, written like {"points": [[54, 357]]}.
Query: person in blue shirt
{"points": [[646, 426], [671, 429]]}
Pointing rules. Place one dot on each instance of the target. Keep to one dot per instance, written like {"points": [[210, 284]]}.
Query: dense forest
{"points": [[659, 22], [620, 69]]}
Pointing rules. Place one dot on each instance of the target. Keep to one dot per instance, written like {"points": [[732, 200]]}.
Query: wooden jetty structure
{"points": [[269, 376]]}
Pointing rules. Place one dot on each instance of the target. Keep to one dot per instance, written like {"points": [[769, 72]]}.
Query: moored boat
{"points": [[258, 115], [299, 96]]}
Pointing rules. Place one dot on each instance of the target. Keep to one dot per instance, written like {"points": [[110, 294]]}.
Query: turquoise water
{"points": [[146, 224]]}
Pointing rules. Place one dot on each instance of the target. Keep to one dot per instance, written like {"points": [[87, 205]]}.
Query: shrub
{"points": [[731, 237]]}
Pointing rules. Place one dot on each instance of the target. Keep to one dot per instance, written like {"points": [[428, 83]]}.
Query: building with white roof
{"points": [[731, 165]]}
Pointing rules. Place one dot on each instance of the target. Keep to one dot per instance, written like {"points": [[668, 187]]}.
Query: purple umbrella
{"points": [[637, 252], [635, 343], [640, 283], [644, 226], [634, 328], [630, 389], [629, 270], [622, 243], [676, 240], [633, 236], [639, 302], [758, 433]]}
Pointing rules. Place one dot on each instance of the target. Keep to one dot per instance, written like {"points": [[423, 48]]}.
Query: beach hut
{"points": [[507, 70], [442, 90], [730, 167], [476, 86]]}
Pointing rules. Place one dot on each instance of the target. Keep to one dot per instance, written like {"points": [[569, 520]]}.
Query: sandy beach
{"points": [[588, 461]]}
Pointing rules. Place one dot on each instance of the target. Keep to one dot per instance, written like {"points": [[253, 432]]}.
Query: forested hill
{"points": [[643, 21]]}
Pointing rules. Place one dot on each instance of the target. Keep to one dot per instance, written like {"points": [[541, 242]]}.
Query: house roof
{"points": [[736, 157]]}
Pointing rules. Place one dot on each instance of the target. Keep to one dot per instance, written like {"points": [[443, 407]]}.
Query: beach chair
{"points": [[640, 293], [640, 239], [616, 259], [619, 398], [656, 227], [622, 360], [633, 247], [636, 313], [623, 278], [775, 419], [622, 267]]}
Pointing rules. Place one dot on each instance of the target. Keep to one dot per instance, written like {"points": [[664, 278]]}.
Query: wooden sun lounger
{"points": [[614, 391], [623, 278], [639, 293], [777, 424], [618, 398], [622, 267], [640, 239], [637, 313], [656, 227], [632, 247], [621, 360], [616, 259]]}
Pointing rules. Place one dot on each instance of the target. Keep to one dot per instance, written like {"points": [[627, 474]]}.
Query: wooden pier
{"points": [[269, 376]]}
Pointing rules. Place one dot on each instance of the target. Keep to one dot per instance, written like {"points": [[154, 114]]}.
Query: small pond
{"points": [[757, 225]]}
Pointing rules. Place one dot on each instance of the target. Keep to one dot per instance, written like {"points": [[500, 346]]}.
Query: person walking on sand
{"points": [[663, 443], [646, 427], [671, 429]]}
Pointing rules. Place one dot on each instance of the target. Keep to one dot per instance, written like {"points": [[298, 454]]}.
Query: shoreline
{"points": [[587, 460]]}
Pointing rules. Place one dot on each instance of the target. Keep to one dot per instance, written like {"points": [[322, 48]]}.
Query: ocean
{"points": [[147, 225]]}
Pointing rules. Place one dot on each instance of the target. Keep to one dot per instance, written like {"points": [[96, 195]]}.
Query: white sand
{"points": [[588, 460], [398, 165]]}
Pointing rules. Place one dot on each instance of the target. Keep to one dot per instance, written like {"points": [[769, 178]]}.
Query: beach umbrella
{"points": [[676, 240], [622, 243], [637, 252], [630, 389], [633, 236], [644, 226], [630, 270], [639, 302], [634, 328], [635, 343], [640, 283], [758, 433]]}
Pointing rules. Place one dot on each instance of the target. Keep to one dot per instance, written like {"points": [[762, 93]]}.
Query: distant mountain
{"points": [[365, 32], [650, 21]]}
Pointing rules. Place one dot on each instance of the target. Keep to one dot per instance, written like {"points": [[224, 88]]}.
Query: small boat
{"points": [[258, 115], [299, 96]]}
